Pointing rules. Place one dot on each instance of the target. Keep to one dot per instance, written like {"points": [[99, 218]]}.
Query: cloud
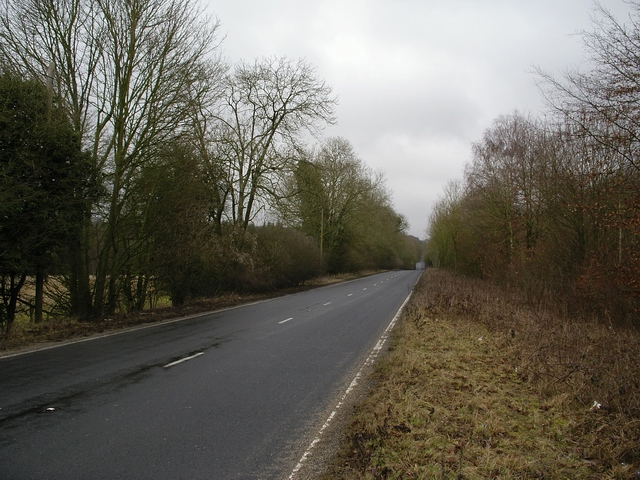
{"points": [[418, 80]]}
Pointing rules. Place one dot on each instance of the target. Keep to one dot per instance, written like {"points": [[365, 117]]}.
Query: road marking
{"points": [[153, 325], [364, 289], [183, 360], [350, 295], [328, 303], [372, 357], [285, 321]]}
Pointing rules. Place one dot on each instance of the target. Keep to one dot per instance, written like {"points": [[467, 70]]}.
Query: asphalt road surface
{"points": [[232, 394]]}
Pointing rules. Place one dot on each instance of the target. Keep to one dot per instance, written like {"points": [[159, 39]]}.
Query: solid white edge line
{"points": [[182, 360], [370, 359], [285, 321]]}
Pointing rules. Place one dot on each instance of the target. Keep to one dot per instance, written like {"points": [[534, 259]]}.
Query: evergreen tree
{"points": [[44, 182]]}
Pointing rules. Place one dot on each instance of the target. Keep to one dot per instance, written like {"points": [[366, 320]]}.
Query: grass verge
{"points": [[479, 385]]}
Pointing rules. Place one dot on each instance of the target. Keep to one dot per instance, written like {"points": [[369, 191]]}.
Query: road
{"points": [[231, 394]]}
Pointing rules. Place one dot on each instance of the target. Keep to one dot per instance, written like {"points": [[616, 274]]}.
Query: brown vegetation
{"points": [[480, 384], [553, 205]]}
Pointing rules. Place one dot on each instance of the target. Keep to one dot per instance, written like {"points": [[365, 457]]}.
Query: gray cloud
{"points": [[418, 81]]}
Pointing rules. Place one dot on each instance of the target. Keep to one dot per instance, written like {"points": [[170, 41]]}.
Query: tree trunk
{"points": [[14, 292], [79, 284], [39, 295]]}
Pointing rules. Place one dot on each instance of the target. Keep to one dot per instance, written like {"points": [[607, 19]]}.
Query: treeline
{"points": [[135, 163], [553, 206]]}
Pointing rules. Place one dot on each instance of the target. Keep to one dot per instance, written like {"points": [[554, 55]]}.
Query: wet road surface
{"points": [[232, 394]]}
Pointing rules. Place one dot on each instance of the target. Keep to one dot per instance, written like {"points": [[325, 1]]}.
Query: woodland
{"points": [[550, 203], [137, 166]]}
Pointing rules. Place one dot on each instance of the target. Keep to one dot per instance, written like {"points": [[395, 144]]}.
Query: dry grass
{"points": [[478, 385]]}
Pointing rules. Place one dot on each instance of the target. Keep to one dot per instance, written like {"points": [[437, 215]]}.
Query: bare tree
{"points": [[445, 225], [598, 109], [602, 100], [506, 171], [268, 108], [129, 72], [157, 57], [334, 198], [66, 35]]}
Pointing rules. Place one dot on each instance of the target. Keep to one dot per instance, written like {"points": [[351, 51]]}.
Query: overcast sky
{"points": [[417, 80]]}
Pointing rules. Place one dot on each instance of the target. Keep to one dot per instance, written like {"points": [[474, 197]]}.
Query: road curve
{"points": [[231, 394]]}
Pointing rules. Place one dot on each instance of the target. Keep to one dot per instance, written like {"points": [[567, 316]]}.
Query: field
{"points": [[478, 384]]}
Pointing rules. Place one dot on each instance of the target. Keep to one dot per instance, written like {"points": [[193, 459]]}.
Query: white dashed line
{"points": [[285, 321], [328, 303], [182, 360], [350, 295]]}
